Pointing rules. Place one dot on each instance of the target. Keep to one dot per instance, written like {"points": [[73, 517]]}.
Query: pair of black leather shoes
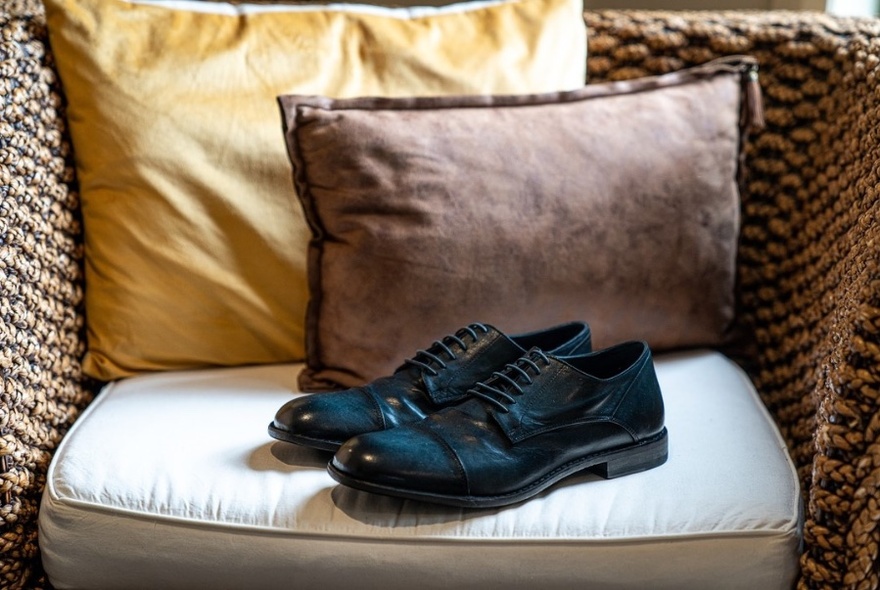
{"points": [[483, 419]]}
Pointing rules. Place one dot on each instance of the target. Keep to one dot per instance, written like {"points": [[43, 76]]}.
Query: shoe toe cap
{"points": [[332, 417], [403, 458]]}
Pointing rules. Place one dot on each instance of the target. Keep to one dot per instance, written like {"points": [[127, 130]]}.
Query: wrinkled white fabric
{"points": [[171, 481]]}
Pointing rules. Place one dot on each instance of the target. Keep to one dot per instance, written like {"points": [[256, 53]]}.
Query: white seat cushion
{"points": [[171, 481]]}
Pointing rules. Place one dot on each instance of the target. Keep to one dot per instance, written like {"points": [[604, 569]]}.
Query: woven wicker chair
{"points": [[809, 280]]}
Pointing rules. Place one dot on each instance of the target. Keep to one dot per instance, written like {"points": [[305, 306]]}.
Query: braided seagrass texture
{"points": [[808, 260], [41, 322]]}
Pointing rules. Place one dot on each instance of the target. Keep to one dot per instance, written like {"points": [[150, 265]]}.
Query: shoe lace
{"points": [[430, 360], [497, 389]]}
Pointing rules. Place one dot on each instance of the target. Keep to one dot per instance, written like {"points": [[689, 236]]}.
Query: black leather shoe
{"points": [[432, 379], [537, 421]]}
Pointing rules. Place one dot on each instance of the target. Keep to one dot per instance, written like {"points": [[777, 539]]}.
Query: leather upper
{"points": [[567, 409], [432, 379]]}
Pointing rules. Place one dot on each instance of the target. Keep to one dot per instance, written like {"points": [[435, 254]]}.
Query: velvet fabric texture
{"points": [[616, 203], [194, 254]]}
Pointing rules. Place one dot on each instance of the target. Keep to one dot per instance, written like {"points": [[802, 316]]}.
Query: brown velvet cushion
{"points": [[616, 203]]}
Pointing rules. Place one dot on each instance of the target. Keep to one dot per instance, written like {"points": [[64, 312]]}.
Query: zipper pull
{"points": [[754, 100]]}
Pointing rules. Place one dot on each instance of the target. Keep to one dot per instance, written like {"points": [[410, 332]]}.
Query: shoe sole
{"points": [[642, 456], [303, 441]]}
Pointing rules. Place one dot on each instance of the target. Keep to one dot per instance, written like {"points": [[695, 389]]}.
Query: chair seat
{"points": [[171, 481]]}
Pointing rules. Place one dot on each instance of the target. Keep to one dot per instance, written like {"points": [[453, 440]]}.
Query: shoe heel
{"points": [[641, 458]]}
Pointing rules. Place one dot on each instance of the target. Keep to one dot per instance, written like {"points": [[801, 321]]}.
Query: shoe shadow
{"points": [[287, 458], [390, 512]]}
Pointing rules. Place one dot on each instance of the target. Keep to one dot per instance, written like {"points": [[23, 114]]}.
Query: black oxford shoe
{"points": [[432, 379], [537, 421]]}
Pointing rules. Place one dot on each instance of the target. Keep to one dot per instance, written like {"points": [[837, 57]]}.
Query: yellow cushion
{"points": [[195, 251]]}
